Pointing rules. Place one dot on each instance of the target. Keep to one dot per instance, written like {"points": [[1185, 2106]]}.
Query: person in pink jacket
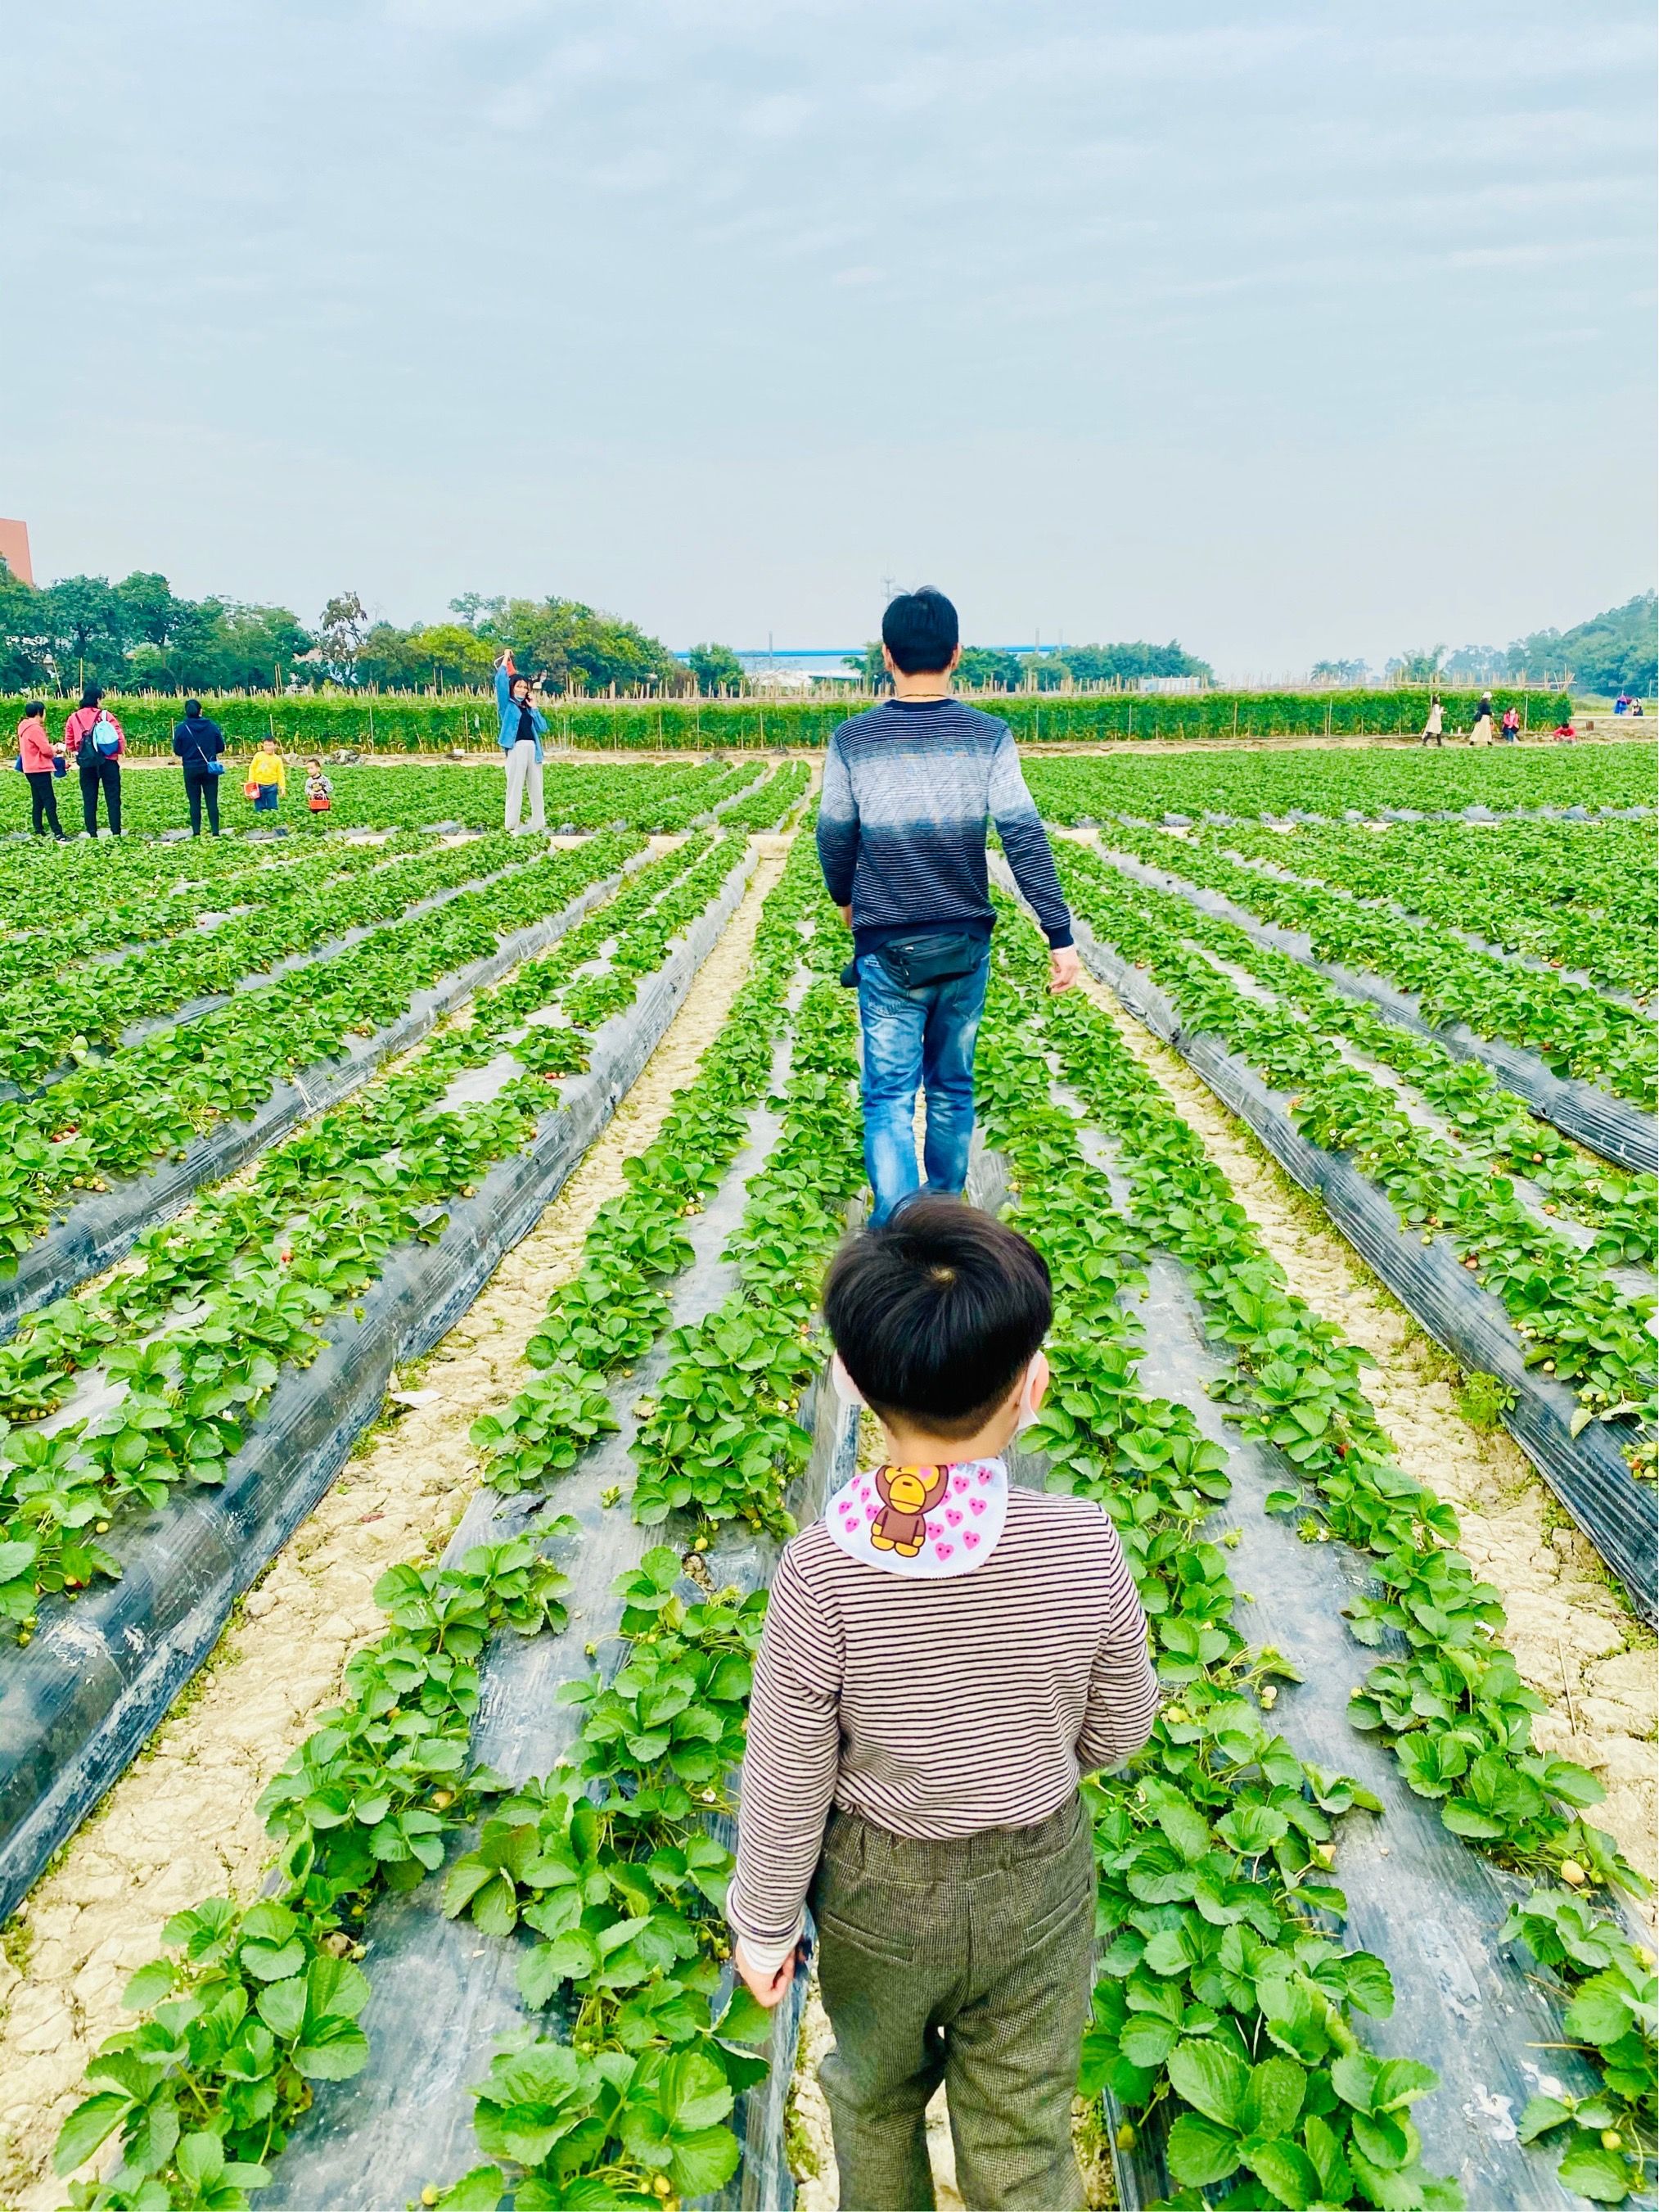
{"points": [[36, 755], [95, 742]]}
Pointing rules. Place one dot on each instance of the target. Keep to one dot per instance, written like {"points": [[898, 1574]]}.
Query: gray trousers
{"points": [[522, 767], [968, 1962]]}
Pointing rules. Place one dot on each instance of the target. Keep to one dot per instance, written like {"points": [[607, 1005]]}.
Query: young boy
{"points": [[944, 1657], [319, 788], [267, 777]]}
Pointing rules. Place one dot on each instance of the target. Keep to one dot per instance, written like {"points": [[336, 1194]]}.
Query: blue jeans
{"points": [[924, 1037]]}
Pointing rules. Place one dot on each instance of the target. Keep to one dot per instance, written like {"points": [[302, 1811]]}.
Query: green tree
{"points": [[1128, 663], [149, 607], [1420, 664], [715, 667], [25, 634], [1613, 652], [981, 665], [574, 644], [871, 666], [1345, 672], [342, 631], [87, 627]]}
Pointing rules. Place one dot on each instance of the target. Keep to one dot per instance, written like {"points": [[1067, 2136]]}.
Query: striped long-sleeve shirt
{"points": [[934, 1708], [907, 790]]}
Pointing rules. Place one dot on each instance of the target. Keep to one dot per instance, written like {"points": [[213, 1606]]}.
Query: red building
{"points": [[15, 550]]}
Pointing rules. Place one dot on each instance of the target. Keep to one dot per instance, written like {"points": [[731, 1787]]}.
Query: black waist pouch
{"points": [[939, 956]]}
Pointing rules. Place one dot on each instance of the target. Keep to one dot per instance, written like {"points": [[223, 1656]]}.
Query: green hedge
{"points": [[396, 725]]}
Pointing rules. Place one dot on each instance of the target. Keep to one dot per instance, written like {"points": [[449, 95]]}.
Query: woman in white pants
{"points": [[519, 737]]}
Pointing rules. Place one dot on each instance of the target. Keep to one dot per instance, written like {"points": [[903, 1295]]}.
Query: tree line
{"points": [[140, 635], [1615, 651]]}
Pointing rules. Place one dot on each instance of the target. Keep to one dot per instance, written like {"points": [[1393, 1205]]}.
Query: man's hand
{"points": [[1063, 968], [768, 1989], [846, 914]]}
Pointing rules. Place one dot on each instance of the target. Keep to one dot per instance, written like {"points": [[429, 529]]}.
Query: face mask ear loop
{"points": [[846, 1389], [1029, 1415]]}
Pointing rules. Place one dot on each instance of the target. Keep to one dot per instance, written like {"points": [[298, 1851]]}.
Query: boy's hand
{"points": [[768, 1989], [846, 914], [1063, 967]]}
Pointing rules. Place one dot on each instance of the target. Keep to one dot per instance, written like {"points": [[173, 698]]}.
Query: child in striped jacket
{"points": [[946, 1655]]}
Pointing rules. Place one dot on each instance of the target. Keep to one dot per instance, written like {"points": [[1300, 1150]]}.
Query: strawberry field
{"points": [[411, 1368]]}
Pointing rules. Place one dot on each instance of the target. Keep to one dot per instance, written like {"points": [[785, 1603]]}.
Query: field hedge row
{"points": [[402, 724]]}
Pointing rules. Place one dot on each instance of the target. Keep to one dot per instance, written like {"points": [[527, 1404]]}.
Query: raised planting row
{"points": [[1331, 783], [222, 1425], [1575, 1031], [644, 1866], [768, 804], [150, 893], [53, 1021], [115, 1117], [1567, 1344], [1576, 895], [579, 795], [1218, 1905], [243, 1277], [1489, 1121]]}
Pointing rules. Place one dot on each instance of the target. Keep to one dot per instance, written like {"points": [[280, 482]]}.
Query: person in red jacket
{"points": [[37, 753], [95, 742]]}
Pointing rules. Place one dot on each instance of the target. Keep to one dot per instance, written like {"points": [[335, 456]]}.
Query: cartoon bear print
{"points": [[908, 1495]]}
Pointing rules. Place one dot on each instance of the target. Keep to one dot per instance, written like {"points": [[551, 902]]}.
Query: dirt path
{"points": [[1574, 1638], [180, 1824]]}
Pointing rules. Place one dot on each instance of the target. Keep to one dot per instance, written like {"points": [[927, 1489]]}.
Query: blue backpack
{"points": [[103, 736]]}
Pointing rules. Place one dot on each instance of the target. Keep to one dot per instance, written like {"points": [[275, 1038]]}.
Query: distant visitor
{"points": [[95, 742], [522, 726]]}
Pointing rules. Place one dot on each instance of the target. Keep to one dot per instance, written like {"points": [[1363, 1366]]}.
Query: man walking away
{"points": [[908, 789], [95, 742], [200, 746], [520, 736], [40, 760]]}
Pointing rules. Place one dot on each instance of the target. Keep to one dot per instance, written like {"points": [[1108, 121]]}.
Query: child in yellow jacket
{"points": [[267, 777]]}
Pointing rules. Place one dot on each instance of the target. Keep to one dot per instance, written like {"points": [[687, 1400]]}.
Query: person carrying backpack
{"points": [[200, 746], [42, 762], [95, 742]]}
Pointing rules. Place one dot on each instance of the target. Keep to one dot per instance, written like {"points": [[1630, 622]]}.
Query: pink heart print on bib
{"points": [[925, 1522]]}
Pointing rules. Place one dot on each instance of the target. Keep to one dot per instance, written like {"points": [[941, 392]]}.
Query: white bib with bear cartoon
{"points": [[928, 1522]]}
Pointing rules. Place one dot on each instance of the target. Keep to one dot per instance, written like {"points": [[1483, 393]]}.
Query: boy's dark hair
{"points": [[919, 630], [91, 696], [192, 710], [936, 1313], [35, 709]]}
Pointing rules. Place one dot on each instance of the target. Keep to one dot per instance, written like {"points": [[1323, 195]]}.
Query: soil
{"points": [[180, 1824], [1573, 1636]]}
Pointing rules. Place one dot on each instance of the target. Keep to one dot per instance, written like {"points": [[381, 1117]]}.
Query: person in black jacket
{"points": [[200, 744]]}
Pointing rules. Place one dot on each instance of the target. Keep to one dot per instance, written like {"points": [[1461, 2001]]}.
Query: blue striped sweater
{"points": [[907, 790]]}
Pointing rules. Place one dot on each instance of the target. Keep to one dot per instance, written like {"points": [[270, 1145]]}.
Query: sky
{"points": [[1291, 330]]}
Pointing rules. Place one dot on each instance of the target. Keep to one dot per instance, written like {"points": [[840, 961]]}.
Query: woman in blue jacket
{"points": [[521, 738], [200, 746]]}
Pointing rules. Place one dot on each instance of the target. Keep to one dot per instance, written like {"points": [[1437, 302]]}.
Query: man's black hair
{"points": [[921, 630], [91, 696], [35, 707], [936, 1313], [192, 710]]}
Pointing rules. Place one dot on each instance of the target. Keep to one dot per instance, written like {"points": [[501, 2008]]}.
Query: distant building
{"points": [[15, 550]]}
